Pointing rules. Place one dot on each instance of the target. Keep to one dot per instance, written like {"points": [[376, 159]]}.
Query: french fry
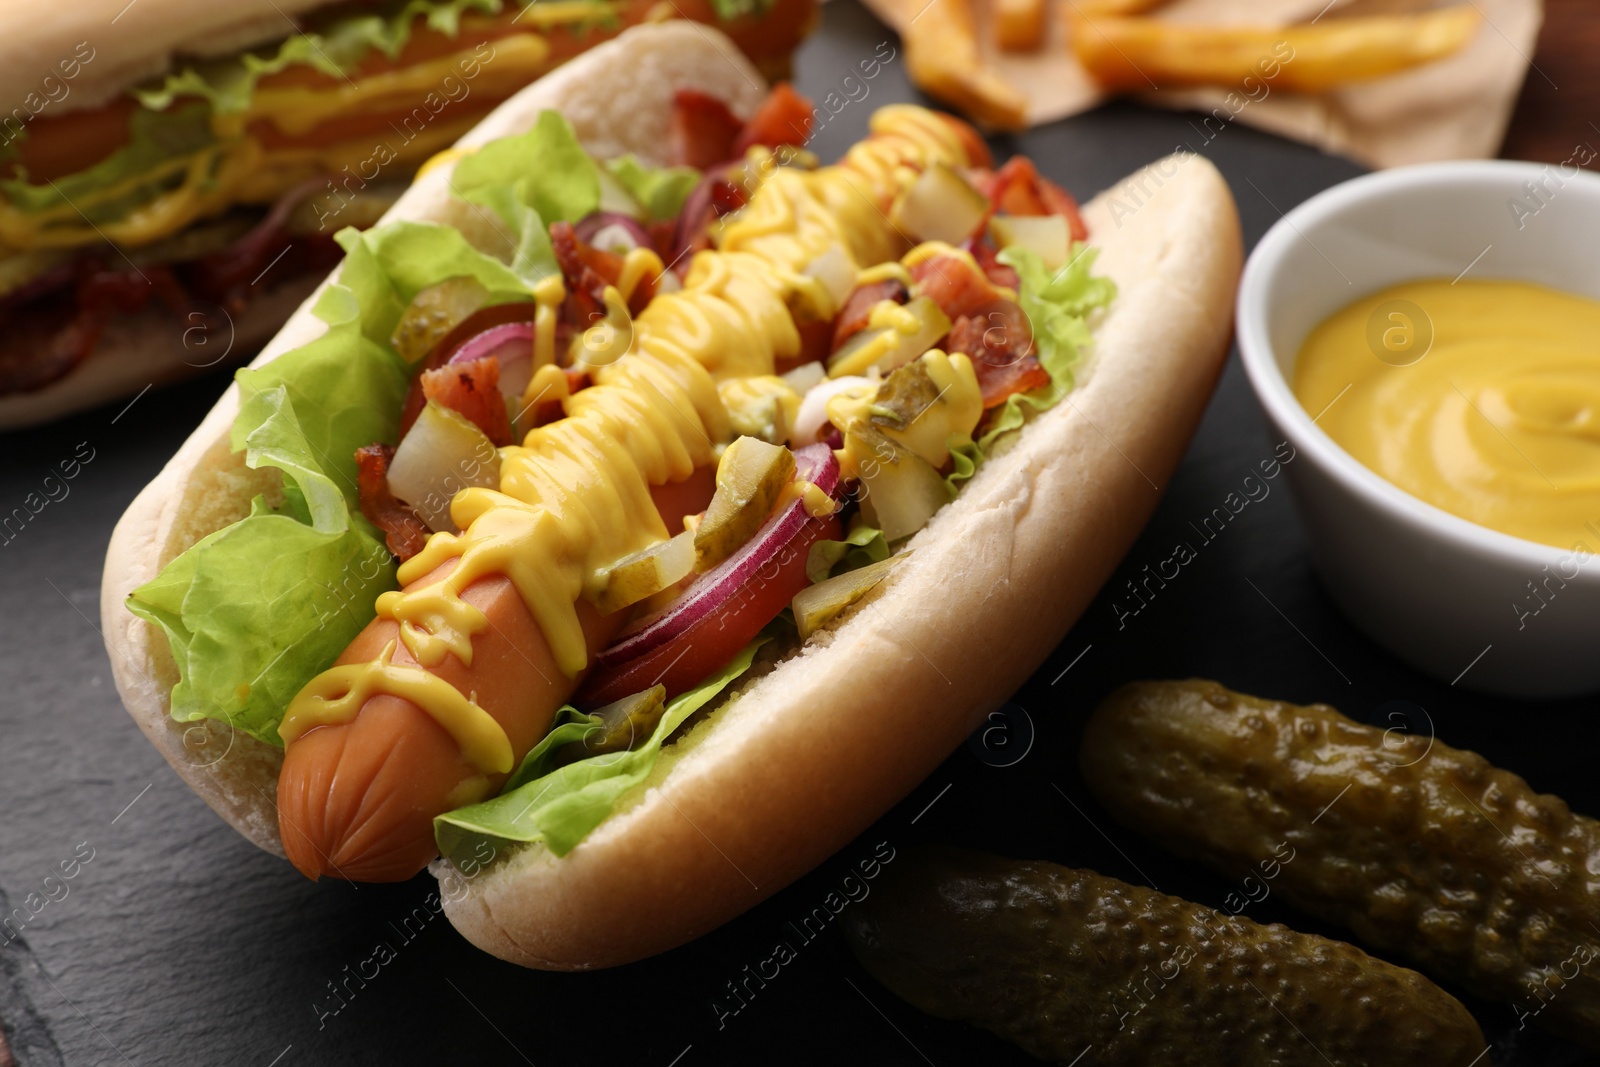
{"points": [[1141, 53], [1019, 24], [942, 56], [1116, 7]]}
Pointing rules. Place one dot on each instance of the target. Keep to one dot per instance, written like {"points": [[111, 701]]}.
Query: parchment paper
{"points": [[1456, 108]]}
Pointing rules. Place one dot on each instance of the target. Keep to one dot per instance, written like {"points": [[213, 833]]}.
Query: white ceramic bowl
{"points": [[1451, 597]]}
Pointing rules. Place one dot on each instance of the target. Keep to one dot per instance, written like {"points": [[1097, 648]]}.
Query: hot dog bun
{"points": [[810, 752], [155, 347]]}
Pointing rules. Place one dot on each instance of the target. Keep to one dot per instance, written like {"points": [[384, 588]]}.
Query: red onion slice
{"points": [[814, 463], [511, 344], [611, 231]]}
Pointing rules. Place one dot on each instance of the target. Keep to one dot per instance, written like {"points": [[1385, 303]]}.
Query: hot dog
{"points": [[213, 188], [451, 689]]}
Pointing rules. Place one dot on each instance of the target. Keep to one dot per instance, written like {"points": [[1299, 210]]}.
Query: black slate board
{"points": [[178, 942]]}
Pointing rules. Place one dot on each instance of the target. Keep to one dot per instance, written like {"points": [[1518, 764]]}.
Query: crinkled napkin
{"points": [[1454, 108]]}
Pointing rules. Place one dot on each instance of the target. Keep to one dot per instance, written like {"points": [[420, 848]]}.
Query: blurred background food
{"points": [[1385, 82], [174, 185]]}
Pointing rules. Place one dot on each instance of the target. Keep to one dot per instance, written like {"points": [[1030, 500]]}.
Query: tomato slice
{"points": [[693, 655]]}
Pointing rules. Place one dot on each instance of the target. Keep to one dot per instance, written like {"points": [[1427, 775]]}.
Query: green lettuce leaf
{"points": [[153, 138], [531, 180], [661, 191], [561, 806], [1057, 306], [256, 609], [228, 84], [862, 545], [964, 459]]}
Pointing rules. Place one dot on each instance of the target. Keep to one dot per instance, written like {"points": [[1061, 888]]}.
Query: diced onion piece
{"points": [[434, 312], [817, 605], [512, 345], [834, 271], [940, 206], [813, 414], [646, 573], [1045, 235], [708, 593], [915, 328], [805, 377], [611, 231], [441, 455], [900, 491]]}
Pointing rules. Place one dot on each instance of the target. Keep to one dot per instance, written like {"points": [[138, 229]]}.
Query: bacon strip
{"points": [[702, 131], [857, 310], [404, 532], [953, 284], [1000, 344], [784, 118], [472, 389]]}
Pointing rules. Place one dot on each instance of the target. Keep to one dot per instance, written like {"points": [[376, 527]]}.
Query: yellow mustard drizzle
{"points": [[336, 695], [574, 497], [547, 296], [763, 406]]}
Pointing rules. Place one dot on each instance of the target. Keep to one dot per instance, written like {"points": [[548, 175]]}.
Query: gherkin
{"points": [[1083, 969], [1422, 851]]}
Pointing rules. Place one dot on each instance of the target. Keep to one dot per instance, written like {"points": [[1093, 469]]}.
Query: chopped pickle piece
{"points": [[924, 403], [1045, 235], [436, 311], [615, 198], [442, 454], [762, 406], [645, 573], [941, 205], [904, 395], [817, 605], [895, 334], [620, 725], [750, 479], [900, 491]]}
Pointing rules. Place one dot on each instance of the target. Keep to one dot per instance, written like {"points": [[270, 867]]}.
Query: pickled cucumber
{"points": [[1420, 849], [750, 479], [1080, 968], [436, 311]]}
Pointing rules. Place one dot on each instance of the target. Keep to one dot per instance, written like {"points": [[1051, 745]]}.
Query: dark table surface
{"points": [[178, 942]]}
